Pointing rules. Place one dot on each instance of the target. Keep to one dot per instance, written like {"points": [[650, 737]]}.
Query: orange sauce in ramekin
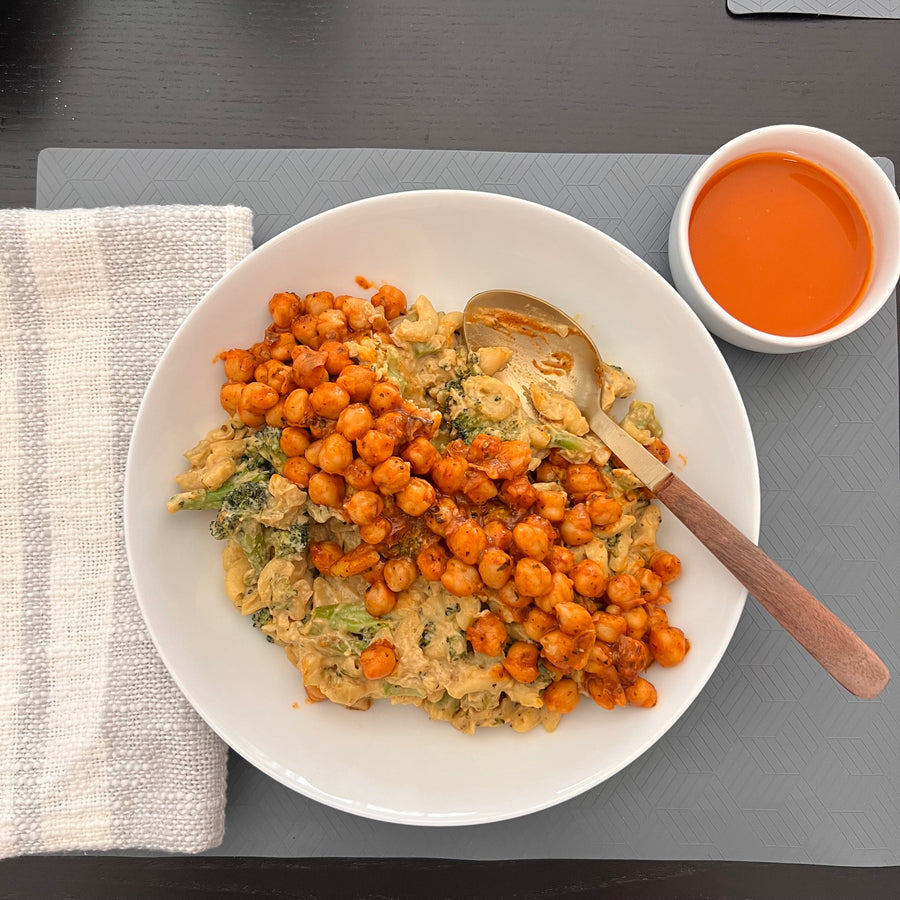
{"points": [[781, 244]]}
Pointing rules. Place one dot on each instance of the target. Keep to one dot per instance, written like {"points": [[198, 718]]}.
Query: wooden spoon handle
{"points": [[840, 651]]}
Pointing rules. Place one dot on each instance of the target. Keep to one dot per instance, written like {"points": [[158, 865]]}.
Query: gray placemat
{"points": [[859, 9], [773, 762]]}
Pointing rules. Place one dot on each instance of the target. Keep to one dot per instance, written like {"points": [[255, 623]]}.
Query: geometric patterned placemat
{"points": [[863, 9], [774, 761]]}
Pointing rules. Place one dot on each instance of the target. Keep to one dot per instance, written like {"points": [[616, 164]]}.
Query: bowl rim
{"points": [[275, 769], [721, 157]]}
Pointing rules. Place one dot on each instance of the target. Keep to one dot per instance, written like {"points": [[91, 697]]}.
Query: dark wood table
{"points": [[579, 76]]}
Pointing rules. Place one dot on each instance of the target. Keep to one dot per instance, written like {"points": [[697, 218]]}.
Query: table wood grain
{"points": [[580, 76]]}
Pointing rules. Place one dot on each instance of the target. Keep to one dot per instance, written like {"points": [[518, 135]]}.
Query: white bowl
{"points": [[865, 180], [392, 763]]}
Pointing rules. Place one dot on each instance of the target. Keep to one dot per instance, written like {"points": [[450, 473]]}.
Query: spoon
{"points": [[550, 347]]}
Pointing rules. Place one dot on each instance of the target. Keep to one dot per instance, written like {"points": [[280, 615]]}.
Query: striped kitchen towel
{"points": [[98, 748]]}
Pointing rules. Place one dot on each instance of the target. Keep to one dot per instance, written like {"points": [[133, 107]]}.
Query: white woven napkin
{"points": [[98, 748]]}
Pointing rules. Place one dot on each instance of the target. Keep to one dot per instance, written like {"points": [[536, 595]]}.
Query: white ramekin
{"points": [[861, 175]]}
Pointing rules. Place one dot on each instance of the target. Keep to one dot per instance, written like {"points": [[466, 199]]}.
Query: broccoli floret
{"points": [[289, 541], [565, 440], [235, 521], [261, 617], [468, 424], [263, 449]]}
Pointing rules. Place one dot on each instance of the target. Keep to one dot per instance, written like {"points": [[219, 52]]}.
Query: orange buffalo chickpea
{"points": [[561, 696], [324, 554], [589, 578], [432, 561], [364, 507], [354, 421], [376, 532], [357, 381], [522, 661], [299, 470], [448, 474], [358, 475], [666, 565], [303, 330], [379, 599], [495, 567], [326, 489], [400, 573], [439, 516], [317, 302], [378, 660], [560, 559], [478, 487], [498, 535], [258, 397], [336, 454], [421, 455], [239, 365], [392, 300], [230, 396], [532, 578], [297, 409], [487, 634], [374, 447], [283, 308], [467, 541], [385, 395], [392, 475], [537, 623], [337, 356], [329, 400], [416, 498]]}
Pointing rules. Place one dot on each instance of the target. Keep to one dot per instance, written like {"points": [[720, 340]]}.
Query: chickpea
{"points": [[589, 578], [297, 408], [303, 330], [608, 627], [364, 507], [258, 396], [393, 424], [356, 561], [561, 696], [379, 599], [294, 440], [560, 559], [357, 381], [312, 453], [487, 634], [576, 526], [318, 302], [495, 567], [282, 308], [603, 510], [668, 645], [392, 475], [326, 489], [230, 396], [561, 591], [537, 623], [641, 693], [275, 415], [498, 535], [513, 458], [400, 573], [656, 617], [581, 479], [276, 375], [359, 313], [605, 689], [551, 505], [548, 473], [309, 368], [460, 579], [354, 421], [239, 365], [432, 562], [392, 299], [283, 347], [421, 455], [531, 540], [624, 591], [337, 356], [378, 660], [573, 618], [522, 661], [478, 487], [376, 532], [250, 417], [566, 651], [358, 475], [467, 541], [518, 493], [336, 454], [260, 351], [636, 619], [448, 474], [659, 449], [385, 395], [509, 596], [324, 554], [532, 577], [374, 447], [439, 516], [329, 400], [299, 470], [666, 565], [332, 326], [650, 583], [416, 498]]}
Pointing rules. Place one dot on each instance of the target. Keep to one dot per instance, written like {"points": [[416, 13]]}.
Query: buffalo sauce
{"points": [[781, 244]]}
